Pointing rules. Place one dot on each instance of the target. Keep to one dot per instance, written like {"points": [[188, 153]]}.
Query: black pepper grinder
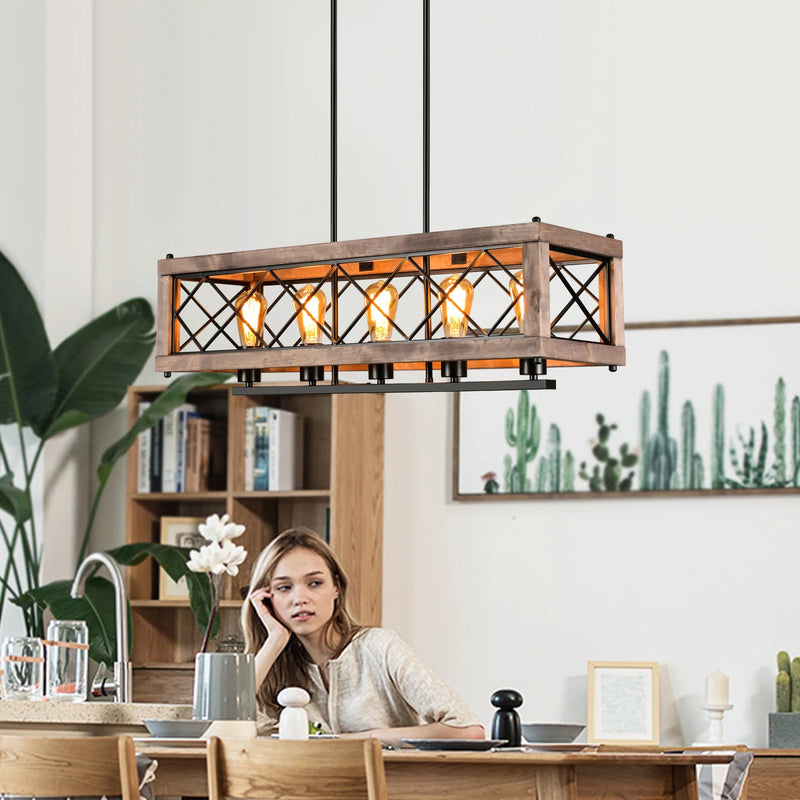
{"points": [[506, 724]]}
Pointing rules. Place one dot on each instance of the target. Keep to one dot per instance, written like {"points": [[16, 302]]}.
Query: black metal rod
{"points": [[426, 165], [334, 176], [334, 125], [426, 116], [335, 320]]}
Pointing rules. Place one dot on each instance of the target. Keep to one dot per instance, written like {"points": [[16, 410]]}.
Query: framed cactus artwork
{"points": [[700, 407]]}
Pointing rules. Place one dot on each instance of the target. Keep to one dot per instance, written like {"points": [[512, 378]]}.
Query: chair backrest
{"points": [[334, 769], [46, 766]]}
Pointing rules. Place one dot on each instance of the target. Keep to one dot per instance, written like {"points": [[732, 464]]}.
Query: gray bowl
{"points": [[176, 728], [550, 732]]}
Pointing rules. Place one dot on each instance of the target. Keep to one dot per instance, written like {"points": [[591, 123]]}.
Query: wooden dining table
{"points": [[579, 774]]}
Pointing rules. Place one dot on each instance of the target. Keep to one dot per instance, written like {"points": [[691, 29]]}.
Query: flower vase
{"points": [[225, 692]]}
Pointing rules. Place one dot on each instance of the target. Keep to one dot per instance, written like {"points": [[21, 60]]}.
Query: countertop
{"points": [[90, 717]]}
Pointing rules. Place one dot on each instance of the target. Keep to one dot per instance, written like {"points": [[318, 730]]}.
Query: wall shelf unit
{"points": [[342, 497]]}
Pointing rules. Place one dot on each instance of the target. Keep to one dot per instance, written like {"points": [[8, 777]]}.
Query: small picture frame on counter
{"points": [[178, 532], [623, 702]]}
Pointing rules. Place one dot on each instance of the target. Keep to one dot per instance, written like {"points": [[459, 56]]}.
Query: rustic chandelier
{"points": [[525, 296]]}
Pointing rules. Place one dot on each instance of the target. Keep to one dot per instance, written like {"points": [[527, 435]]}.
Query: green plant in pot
{"points": [[45, 391], [784, 724]]}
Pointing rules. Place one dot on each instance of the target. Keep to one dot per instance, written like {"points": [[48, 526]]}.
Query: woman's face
{"points": [[302, 591]]}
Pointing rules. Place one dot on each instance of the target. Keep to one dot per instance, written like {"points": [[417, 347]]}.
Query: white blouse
{"points": [[378, 682]]}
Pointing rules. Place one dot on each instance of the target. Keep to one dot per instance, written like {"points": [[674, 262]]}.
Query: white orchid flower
{"points": [[202, 560], [219, 529], [231, 556], [217, 558]]}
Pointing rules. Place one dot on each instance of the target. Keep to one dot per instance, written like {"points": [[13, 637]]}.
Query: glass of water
{"points": [[67, 660], [22, 660]]}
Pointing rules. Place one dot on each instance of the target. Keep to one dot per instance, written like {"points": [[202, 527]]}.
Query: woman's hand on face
{"points": [[259, 599]]}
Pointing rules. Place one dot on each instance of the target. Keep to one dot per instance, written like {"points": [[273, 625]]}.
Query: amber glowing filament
{"points": [[381, 302], [250, 312], [456, 306], [311, 318], [517, 289]]}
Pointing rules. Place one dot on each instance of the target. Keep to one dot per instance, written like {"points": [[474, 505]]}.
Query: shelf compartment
{"points": [[295, 494], [179, 604], [342, 494], [180, 497]]}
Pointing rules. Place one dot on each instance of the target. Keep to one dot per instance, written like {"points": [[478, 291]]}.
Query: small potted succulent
{"points": [[784, 722]]}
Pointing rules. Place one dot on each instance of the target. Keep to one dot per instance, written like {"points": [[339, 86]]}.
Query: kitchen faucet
{"points": [[123, 676]]}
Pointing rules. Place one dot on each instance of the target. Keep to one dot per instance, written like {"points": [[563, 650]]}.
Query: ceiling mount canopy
{"points": [[523, 296]]}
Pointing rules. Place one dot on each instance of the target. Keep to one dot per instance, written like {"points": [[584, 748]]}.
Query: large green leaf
{"points": [[13, 500], [97, 363], [174, 394], [173, 561], [96, 608], [27, 365]]}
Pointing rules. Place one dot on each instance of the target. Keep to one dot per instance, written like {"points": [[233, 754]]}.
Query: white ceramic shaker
{"points": [[293, 722]]}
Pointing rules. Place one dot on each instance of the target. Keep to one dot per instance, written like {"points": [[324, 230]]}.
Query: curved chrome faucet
{"points": [[123, 675]]}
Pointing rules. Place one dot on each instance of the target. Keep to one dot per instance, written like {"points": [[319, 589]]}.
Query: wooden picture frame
{"points": [[701, 408], [623, 702], [178, 532]]}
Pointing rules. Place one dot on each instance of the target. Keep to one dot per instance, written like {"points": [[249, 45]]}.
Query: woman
{"points": [[362, 681]]}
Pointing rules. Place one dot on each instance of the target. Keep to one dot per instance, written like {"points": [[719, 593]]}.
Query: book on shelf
{"points": [[285, 450], [143, 441], [185, 413], [173, 442], [273, 449], [156, 451], [169, 443], [198, 448], [182, 452], [261, 451], [256, 444], [249, 446]]}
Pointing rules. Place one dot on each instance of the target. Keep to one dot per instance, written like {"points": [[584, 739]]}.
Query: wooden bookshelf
{"points": [[342, 497]]}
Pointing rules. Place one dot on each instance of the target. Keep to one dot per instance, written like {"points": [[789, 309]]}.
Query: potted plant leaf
{"points": [[45, 391]]}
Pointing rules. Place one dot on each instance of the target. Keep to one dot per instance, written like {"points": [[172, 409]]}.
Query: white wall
{"points": [[667, 124], [671, 125], [45, 230], [22, 178]]}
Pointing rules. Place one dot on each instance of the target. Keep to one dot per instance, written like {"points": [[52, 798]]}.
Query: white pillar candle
{"points": [[716, 689]]}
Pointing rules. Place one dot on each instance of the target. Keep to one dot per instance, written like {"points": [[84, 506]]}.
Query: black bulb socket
{"points": [[313, 374], [455, 370], [534, 367], [380, 372], [248, 376]]}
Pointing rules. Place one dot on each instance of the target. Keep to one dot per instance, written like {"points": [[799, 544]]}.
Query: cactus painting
{"points": [[608, 475], [665, 432], [523, 434]]}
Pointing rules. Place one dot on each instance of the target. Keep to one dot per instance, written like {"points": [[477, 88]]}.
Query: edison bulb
{"points": [[456, 306], [311, 318], [250, 312], [381, 302]]}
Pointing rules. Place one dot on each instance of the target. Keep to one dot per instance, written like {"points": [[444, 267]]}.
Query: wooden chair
{"points": [[334, 769], [46, 766]]}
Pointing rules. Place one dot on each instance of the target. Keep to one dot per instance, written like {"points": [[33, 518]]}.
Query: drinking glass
{"points": [[67, 660], [23, 668]]}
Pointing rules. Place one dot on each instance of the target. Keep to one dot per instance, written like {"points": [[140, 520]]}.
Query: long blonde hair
{"points": [[291, 666]]}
